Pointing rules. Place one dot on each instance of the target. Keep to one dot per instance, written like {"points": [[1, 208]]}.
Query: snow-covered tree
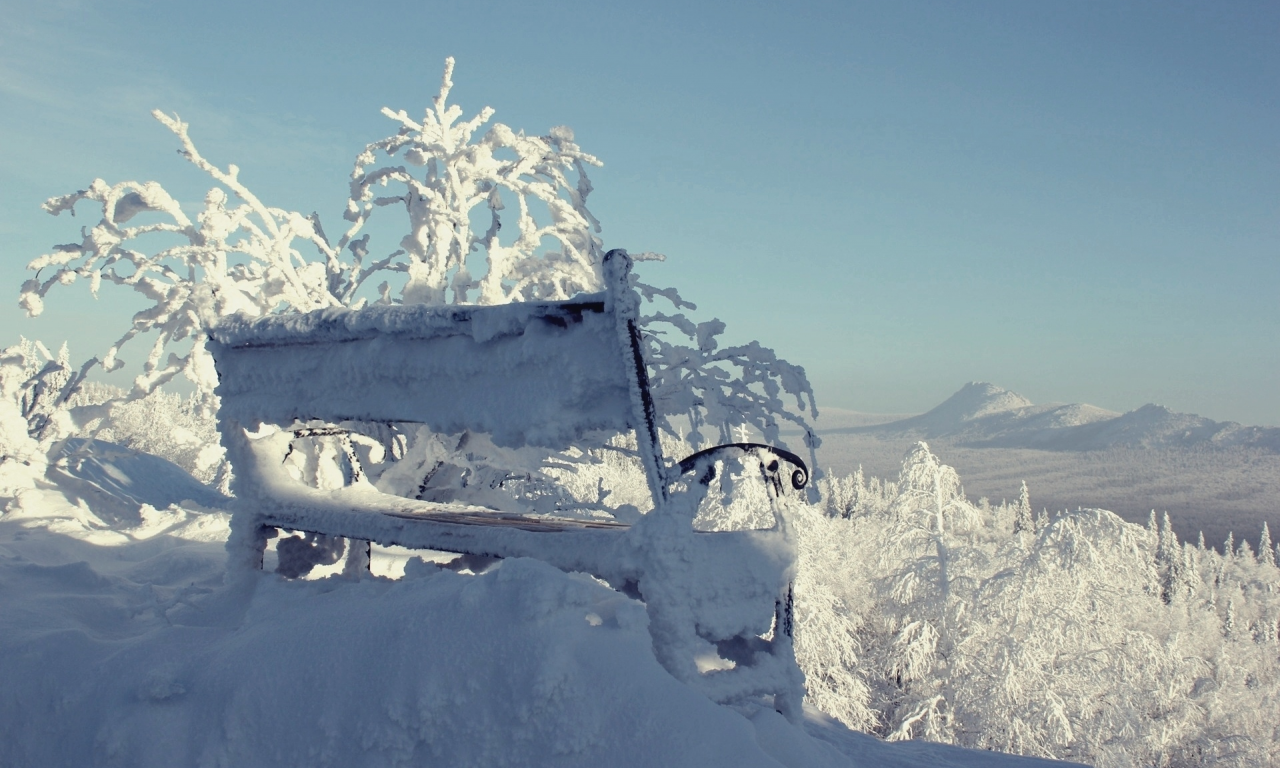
{"points": [[1056, 644], [233, 257], [721, 389], [1170, 564], [927, 533], [1266, 550], [493, 215], [1022, 519], [460, 177], [834, 601], [32, 382]]}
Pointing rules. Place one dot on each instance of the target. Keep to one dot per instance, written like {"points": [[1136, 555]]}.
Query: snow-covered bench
{"points": [[538, 373]]}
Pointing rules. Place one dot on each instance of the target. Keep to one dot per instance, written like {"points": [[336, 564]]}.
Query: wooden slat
{"points": [[571, 545], [499, 520]]}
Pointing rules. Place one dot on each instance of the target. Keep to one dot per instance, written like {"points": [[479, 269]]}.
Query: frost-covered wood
{"points": [[542, 373], [525, 374]]}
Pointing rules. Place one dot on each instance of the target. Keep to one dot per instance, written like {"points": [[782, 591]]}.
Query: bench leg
{"points": [[790, 700], [247, 543], [358, 558]]}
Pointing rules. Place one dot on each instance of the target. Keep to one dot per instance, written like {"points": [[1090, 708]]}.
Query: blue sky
{"points": [[1077, 201]]}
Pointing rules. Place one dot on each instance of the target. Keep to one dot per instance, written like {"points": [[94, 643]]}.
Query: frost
{"points": [[924, 615], [492, 215]]}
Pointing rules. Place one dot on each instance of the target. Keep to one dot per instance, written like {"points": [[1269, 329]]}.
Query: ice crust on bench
{"points": [[538, 373], [698, 586], [737, 572], [526, 373], [402, 320]]}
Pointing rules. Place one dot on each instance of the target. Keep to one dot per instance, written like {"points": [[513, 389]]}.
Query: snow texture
{"points": [[116, 482], [525, 373], [538, 374], [120, 646]]}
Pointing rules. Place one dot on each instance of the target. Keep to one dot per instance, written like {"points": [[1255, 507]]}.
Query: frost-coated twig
{"points": [[461, 175], [722, 389]]}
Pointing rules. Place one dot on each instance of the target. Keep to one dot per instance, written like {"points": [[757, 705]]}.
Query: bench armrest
{"points": [[703, 463]]}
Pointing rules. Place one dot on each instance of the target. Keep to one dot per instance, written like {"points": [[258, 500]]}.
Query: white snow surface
{"points": [[417, 321], [120, 645], [538, 374]]}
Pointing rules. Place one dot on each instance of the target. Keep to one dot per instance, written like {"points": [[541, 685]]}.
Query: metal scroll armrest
{"points": [[703, 463]]}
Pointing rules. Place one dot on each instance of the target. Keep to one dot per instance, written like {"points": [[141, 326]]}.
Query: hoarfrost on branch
{"points": [[239, 255]]}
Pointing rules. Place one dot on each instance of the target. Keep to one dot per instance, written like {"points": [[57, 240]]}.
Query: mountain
{"points": [[977, 403], [984, 415]]}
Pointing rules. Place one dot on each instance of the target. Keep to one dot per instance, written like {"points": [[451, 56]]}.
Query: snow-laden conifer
{"points": [[1022, 519], [1266, 550]]}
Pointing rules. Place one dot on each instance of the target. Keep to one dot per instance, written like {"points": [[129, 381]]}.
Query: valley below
{"points": [[1199, 471]]}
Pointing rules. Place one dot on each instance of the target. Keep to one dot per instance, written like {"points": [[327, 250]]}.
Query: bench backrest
{"points": [[536, 374], [531, 373]]}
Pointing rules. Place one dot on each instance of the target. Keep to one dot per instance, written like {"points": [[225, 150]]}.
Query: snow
{"points": [[540, 374], [116, 481], [121, 645], [416, 321], [525, 374]]}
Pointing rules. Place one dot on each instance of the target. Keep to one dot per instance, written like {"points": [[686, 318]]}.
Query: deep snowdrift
{"points": [[119, 645]]}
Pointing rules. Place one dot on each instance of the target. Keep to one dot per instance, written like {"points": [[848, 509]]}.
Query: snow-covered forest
{"points": [[1073, 634], [921, 614]]}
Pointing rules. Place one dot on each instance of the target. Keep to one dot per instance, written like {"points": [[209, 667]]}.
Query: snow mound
{"points": [[122, 645], [116, 481], [522, 665], [439, 668]]}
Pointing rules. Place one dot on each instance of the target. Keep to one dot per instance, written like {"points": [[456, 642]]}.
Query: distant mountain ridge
{"points": [[984, 415]]}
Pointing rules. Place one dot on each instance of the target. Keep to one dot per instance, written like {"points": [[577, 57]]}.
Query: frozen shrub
{"points": [[492, 215]]}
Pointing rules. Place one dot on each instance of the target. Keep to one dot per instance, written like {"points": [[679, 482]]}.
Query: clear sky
{"points": [[1078, 201]]}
